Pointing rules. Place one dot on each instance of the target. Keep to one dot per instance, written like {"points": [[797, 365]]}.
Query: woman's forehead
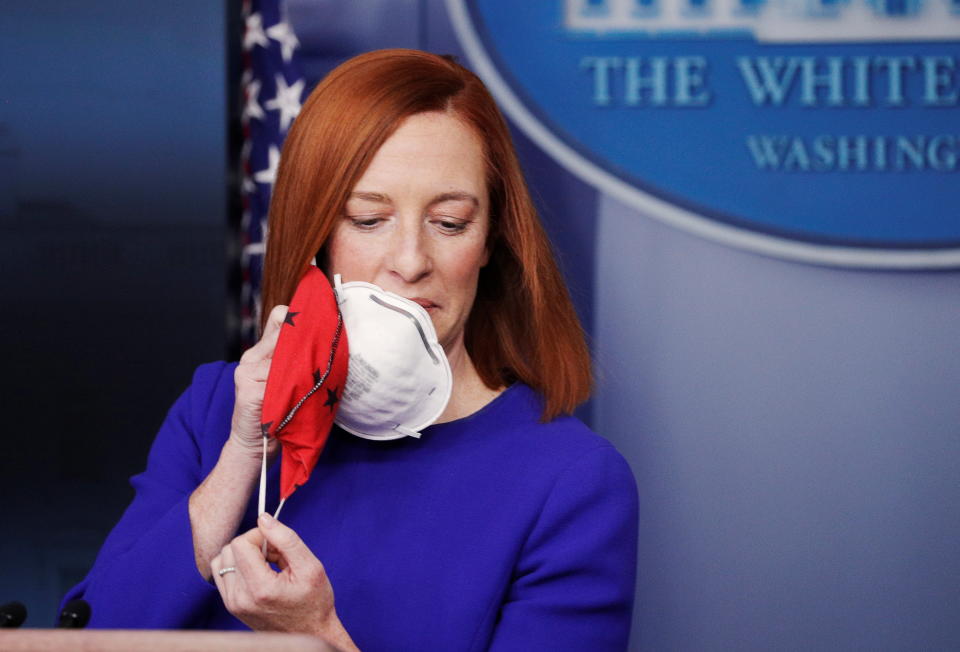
{"points": [[428, 151]]}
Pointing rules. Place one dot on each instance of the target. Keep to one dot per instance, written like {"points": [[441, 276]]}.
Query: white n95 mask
{"points": [[399, 380]]}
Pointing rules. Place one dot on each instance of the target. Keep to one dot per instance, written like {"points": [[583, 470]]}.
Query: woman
{"points": [[507, 525]]}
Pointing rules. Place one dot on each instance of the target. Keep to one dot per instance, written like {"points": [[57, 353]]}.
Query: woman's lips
{"points": [[427, 304]]}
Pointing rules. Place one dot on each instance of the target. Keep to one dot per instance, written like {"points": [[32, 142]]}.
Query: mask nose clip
{"points": [[416, 323]]}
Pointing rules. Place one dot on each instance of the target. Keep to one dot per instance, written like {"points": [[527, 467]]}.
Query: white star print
{"points": [[254, 34], [282, 34], [269, 175], [287, 101]]}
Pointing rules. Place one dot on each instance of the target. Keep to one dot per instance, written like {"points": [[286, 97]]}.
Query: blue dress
{"points": [[494, 531]]}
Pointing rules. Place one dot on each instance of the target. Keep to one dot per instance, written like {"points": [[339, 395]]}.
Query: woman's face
{"points": [[416, 223]]}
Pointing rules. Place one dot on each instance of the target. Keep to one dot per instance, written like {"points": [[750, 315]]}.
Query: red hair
{"points": [[522, 325]]}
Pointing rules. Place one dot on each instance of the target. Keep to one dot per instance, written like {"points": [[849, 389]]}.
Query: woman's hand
{"points": [[297, 599], [218, 504], [250, 380]]}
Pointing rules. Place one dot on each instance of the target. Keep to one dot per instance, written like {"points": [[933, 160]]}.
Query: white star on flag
{"points": [[282, 34], [287, 101], [269, 175], [254, 249], [245, 150], [254, 34], [247, 185], [252, 109]]}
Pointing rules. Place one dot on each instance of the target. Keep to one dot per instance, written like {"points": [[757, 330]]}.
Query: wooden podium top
{"points": [[123, 640]]}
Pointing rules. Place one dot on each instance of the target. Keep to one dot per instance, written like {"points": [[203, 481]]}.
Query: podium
{"points": [[130, 640]]}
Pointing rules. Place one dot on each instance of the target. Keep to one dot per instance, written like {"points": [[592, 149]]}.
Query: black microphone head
{"points": [[12, 614], [75, 614]]}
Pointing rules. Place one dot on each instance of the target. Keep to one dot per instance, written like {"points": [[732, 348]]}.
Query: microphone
{"points": [[12, 614], [75, 614]]}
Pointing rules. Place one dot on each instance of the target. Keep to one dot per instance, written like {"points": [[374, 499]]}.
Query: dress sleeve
{"points": [[573, 587], [145, 575]]}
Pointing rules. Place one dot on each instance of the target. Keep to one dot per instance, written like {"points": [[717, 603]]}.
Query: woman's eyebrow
{"points": [[455, 196], [370, 196], [382, 198]]}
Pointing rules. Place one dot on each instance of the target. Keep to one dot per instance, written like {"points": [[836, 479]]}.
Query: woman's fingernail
{"points": [[266, 520]]}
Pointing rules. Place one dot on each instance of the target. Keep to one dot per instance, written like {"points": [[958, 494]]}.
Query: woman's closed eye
{"points": [[445, 224], [449, 225], [365, 222]]}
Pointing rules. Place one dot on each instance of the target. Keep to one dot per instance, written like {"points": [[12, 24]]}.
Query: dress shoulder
{"points": [[573, 577], [564, 440], [212, 385]]}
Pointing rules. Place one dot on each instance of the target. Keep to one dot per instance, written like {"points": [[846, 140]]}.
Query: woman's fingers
{"points": [[215, 566], [250, 381], [263, 350], [294, 600], [219, 563], [256, 371], [250, 563], [289, 546], [255, 538], [274, 321]]}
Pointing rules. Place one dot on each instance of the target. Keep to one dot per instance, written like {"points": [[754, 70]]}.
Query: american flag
{"points": [[273, 88]]}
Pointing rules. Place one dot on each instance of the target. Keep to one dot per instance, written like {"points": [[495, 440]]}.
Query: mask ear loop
{"points": [[262, 501]]}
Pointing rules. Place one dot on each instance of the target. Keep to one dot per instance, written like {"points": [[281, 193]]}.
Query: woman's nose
{"points": [[409, 255]]}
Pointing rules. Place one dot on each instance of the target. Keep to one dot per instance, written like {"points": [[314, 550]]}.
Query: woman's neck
{"points": [[469, 391]]}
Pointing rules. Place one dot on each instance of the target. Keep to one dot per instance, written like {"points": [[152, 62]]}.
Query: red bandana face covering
{"points": [[307, 376]]}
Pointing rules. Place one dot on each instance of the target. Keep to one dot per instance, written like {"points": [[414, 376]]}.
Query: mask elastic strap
{"points": [[262, 502], [406, 431]]}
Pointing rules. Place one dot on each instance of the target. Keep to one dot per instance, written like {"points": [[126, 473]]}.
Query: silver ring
{"points": [[228, 569]]}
